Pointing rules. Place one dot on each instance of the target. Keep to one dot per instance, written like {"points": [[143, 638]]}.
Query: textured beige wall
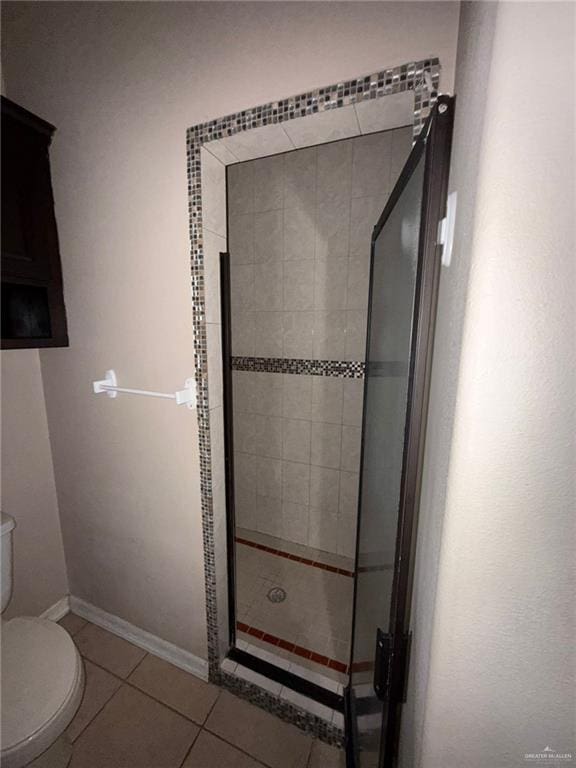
{"points": [[122, 81], [28, 490], [493, 659]]}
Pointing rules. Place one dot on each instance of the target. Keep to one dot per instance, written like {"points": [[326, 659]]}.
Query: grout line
{"points": [[125, 681], [91, 720], [235, 746], [201, 727], [191, 747]]}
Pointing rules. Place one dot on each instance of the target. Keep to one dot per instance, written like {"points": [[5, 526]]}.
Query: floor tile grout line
{"points": [[150, 696], [201, 727], [191, 747], [95, 715], [235, 746], [146, 654]]}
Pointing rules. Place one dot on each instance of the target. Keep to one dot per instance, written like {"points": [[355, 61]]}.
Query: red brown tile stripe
{"points": [[296, 558], [297, 650]]}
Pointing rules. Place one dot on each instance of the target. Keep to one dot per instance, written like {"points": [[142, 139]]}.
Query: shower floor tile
{"points": [[311, 626]]}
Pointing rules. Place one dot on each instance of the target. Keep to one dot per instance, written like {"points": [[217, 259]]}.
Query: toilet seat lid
{"points": [[40, 670]]}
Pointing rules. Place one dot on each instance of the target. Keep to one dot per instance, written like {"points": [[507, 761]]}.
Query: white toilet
{"points": [[42, 675]]}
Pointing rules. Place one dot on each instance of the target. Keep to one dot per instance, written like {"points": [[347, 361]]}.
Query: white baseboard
{"points": [[58, 610], [145, 640]]}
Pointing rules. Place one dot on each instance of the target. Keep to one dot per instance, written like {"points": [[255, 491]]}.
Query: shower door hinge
{"points": [[391, 666]]}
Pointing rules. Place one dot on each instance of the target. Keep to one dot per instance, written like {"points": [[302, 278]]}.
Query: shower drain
{"points": [[276, 595]]}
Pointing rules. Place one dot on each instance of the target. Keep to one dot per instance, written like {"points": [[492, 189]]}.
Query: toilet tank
{"points": [[6, 526]]}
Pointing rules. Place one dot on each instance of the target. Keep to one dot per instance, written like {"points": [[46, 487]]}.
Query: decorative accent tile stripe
{"points": [[345, 369], [297, 650], [296, 558], [422, 79]]}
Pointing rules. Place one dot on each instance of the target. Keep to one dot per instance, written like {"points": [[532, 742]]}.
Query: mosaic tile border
{"points": [[306, 721], [342, 368], [422, 78]]}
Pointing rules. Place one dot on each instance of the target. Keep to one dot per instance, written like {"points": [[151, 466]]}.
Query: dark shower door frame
{"points": [[392, 660]]}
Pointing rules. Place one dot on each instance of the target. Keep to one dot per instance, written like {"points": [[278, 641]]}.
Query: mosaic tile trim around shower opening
{"points": [[422, 79], [342, 368], [306, 721]]}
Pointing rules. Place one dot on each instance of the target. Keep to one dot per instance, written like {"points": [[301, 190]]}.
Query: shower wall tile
{"points": [[268, 438], [241, 238], [346, 536], [269, 515], [295, 522], [268, 393], [325, 446], [299, 335], [268, 283], [244, 391], [348, 502], [244, 432], [297, 396], [243, 333], [268, 334], [300, 179], [358, 283], [371, 164], [332, 229], [299, 232], [298, 281], [242, 287], [269, 183], [401, 146], [353, 402], [324, 488], [269, 480], [350, 454], [268, 236], [296, 482], [355, 344], [296, 440], [330, 281], [329, 335], [240, 188], [334, 172], [323, 530], [327, 399], [364, 214]]}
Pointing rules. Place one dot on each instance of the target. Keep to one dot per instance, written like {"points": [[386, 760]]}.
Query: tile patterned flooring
{"points": [[141, 712], [315, 616]]}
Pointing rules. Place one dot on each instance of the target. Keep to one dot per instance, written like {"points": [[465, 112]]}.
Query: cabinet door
{"points": [[27, 213]]}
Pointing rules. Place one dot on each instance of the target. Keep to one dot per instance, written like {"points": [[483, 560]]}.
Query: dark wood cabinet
{"points": [[33, 310]]}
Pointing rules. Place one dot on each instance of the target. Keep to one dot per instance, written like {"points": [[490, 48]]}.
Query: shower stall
{"points": [[328, 294], [299, 228]]}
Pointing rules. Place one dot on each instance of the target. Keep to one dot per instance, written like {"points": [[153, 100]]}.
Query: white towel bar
{"points": [[109, 385]]}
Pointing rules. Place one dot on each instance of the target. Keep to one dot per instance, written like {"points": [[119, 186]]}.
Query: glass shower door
{"points": [[403, 287]]}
